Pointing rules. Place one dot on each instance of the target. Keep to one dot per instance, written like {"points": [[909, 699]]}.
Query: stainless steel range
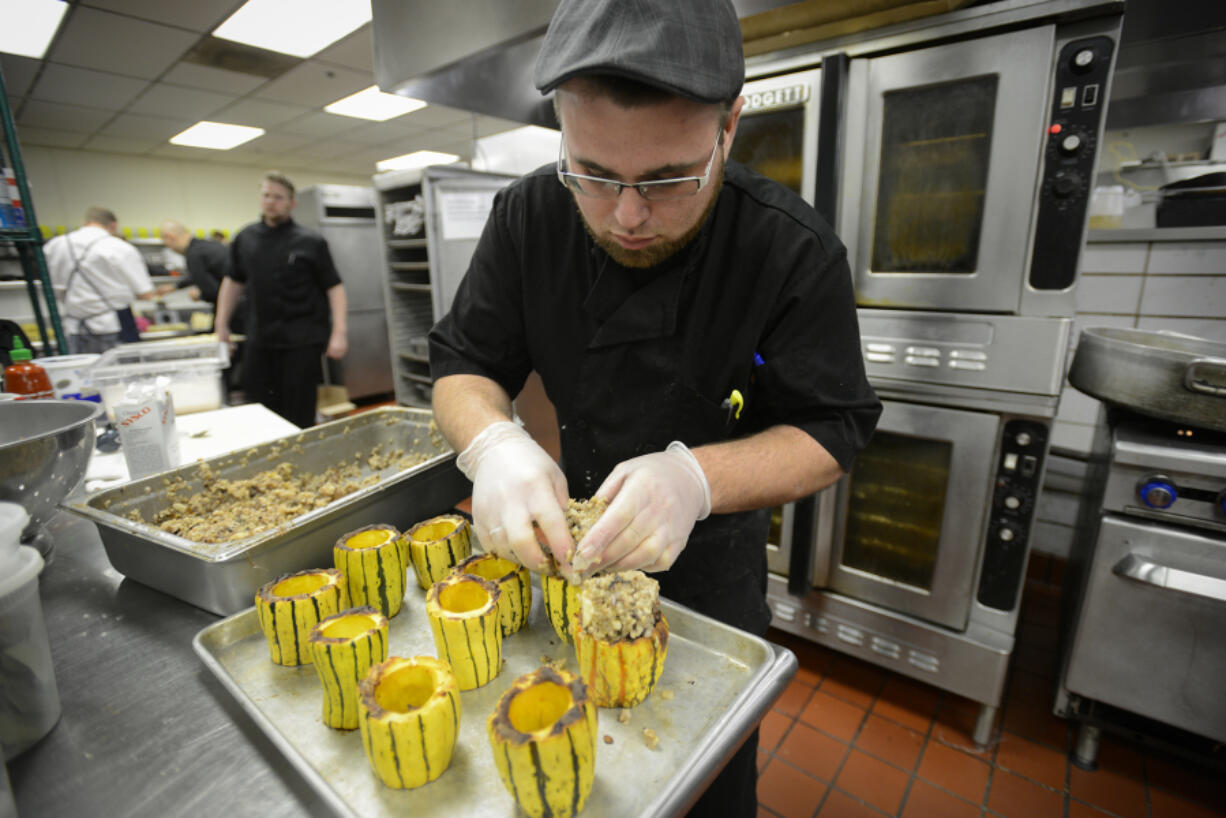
{"points": [[1145, 611]]}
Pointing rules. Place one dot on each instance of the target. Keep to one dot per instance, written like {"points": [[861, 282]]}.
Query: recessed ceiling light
{"points": [[371, 103], [416, 159], [300, 28], [29, 26], [217, 136]]}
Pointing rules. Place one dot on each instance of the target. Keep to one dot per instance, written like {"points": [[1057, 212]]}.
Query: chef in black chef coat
{"points": [[297, 309], [692, 322]]}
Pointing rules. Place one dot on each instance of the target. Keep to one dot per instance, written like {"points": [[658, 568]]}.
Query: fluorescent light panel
{"points": [[296, 27], [217, 136], [416, 159], [29, 26], [371, 103]]}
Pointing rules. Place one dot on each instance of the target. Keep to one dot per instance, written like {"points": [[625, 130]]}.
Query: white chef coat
{"points": [[112, 275]]}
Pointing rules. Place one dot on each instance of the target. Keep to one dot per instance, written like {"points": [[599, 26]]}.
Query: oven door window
{"points": [[896, 505], [935, 147], [772, 143]]}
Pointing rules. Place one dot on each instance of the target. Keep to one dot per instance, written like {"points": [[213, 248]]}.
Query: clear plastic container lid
{"points": [[13, 519], [151, 358]]}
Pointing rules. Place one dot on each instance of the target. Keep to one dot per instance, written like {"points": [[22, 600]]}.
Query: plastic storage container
{"points": [[193, 366], [69, 374], [30, 704]]}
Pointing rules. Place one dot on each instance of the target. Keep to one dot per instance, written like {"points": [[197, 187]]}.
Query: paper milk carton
{"points": [[147, 431]]}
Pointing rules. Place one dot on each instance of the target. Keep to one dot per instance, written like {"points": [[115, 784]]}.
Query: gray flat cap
{"points": [[691, 48]]}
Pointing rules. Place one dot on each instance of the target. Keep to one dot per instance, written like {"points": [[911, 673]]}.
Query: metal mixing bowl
{"points": [[44, 448]]}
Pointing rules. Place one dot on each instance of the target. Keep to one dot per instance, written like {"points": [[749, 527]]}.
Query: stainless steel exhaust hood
{"points": [[475, 55]]}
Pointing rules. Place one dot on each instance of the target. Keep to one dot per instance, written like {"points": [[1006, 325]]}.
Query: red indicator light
{"points": [[1055, 128]]}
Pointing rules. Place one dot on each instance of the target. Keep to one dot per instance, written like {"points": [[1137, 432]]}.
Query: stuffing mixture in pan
{"points": [[618, 606]]}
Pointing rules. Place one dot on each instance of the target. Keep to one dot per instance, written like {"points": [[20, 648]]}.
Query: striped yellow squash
{"points": [[543, 735], [463, 612], [561, 601], [513, 580], [409, 715], [289, 606], [373, 565], [344, 647], [621, 673], [437, 545]]}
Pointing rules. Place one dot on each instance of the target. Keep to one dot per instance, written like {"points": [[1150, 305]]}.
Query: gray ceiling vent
{"points": [[245, 59]]}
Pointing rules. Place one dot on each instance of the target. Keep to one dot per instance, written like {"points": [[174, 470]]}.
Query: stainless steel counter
{"points": [[146, 730]]}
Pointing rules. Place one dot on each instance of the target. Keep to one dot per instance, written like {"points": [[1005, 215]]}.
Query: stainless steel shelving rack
{"points": [[426, 254], [29, 239]]}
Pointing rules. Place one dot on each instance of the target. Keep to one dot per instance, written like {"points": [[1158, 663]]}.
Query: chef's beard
{"points": [[660, 251]]}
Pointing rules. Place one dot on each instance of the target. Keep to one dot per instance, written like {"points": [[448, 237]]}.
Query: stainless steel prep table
{"points": [[146, 729]]}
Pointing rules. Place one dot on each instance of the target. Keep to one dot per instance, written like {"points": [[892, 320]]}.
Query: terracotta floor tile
{"points": [[1108, 790], [763, 759], [814, 660], [789, 792], [813, 751], [854, 681], [1187, 780], [1017, 797], [793, 698], [763, 812], [910, 703], [890, 742], [1076, 809], [773, 726], [839, 718], [955, 771], [1039, 762], [872, 781], [926, 801], [841, 805], [1166, 805]]}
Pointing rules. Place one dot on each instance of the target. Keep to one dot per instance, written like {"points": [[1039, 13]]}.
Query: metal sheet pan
{"points": [[723, 681], [223, 577]]}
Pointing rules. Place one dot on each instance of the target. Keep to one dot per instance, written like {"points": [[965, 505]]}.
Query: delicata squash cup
{"points": [[435, 546], [621, 637], [344, 647], [373, 565], [409, 715], [513, 580], [290, 606], [463, 613], [543, 736]]}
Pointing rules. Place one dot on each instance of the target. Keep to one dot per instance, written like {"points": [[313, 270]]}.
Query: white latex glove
{"points": [[516, 483], [654, 501]]}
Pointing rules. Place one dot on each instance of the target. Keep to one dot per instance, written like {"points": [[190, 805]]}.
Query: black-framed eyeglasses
{"points": [[678, 187]]}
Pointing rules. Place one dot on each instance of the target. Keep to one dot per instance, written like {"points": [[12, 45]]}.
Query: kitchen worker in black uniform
{"points": [[206, 261], [692, 322], [297, 305]]}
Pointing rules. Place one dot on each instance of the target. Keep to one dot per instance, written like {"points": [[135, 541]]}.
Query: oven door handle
{"points": [[1142, 569]]}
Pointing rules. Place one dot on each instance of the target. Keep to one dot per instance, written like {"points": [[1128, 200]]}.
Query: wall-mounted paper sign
{"points": [[464, 213]]}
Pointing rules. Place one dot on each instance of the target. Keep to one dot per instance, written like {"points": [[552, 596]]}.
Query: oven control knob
{"points": [[1083, 60], [1070, 145], [1065, 184], [1006, 534], [1023, 439], [1013, 502], [1157, 491]]}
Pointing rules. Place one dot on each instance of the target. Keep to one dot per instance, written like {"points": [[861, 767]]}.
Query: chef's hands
{"points": [[654, 501], [516, 483]]}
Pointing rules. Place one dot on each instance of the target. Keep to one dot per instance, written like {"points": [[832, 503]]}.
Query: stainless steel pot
{"points": [[1161, 374]]}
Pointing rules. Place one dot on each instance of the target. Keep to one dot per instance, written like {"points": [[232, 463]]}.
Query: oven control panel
{"points": [[1016, 490], [1082, 70]]}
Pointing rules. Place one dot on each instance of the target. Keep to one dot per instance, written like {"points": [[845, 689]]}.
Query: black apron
{"points": [[631, 398]]}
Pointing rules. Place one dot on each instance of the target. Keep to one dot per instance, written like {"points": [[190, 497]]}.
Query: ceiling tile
{"points": [[354, 51], [435, 116], [79, 86], [260, 113], [40, 114], [53, 138], [124, 45], [198, 15], [490, 125], [19, 73], [327, 149], [115, 144], [167, 100], [168, 151], [213, 79], [379, 133], [140, 127], [315, 85], [319, 123]]}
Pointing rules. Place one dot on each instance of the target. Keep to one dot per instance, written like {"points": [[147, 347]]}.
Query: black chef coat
{"points": [[287, 270], [759, 302], [206, 267]]}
